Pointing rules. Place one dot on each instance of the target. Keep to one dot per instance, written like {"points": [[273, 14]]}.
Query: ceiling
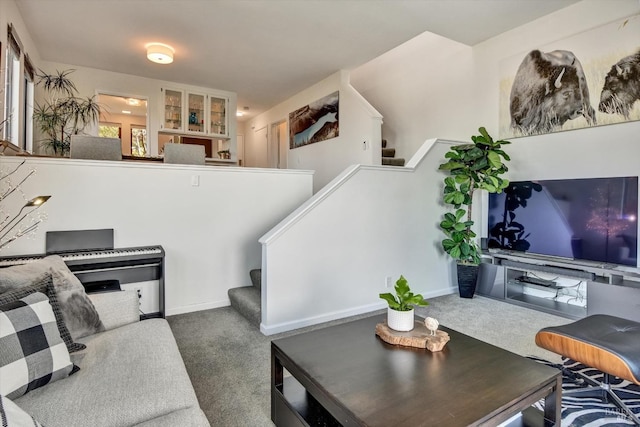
{"points": [[264, 50]]}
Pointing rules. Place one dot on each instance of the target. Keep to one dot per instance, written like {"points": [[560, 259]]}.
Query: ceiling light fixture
{"points": [[160, 53], [126, 112], [239, 114]]}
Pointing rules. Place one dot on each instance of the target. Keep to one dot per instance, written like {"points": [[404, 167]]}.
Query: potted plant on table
{"points": [[470, 167], [401, 306]]}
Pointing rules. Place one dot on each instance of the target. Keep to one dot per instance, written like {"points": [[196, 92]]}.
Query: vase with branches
{"points": [[62, 113]]}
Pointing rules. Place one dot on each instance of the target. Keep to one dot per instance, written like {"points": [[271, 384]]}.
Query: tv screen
{"points": [[593, 219]]}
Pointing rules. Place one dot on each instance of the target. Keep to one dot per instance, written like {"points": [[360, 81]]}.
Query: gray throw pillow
{"points": [[45, 286], [78, 312]]}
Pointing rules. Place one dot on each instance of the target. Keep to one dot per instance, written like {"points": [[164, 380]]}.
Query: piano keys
{"points": [[140, 268]]}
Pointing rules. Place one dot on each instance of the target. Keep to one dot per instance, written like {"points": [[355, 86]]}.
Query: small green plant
{"points": [[404, 299]]}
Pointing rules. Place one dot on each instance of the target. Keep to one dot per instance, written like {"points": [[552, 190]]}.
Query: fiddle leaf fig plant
{"points": [[470, 167], [404, 299]]}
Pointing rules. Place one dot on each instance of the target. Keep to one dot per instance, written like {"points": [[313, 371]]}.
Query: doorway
{"points": [[278, 148], [127, 116]]}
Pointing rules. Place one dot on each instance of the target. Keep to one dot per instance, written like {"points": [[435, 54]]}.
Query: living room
{"points": [[418, 101]]}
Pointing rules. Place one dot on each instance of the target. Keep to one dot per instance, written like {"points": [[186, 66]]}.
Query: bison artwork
{"points": [[549, 89], [621, 86]]}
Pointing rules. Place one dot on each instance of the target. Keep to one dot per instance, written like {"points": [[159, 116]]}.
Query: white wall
{"points": [[452, 94], [423, 89], [358, 143], [331, 257], [432, 87], [210, 232]]}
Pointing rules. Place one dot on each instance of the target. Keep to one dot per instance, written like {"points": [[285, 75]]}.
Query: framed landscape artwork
{"points": [[315, 122], [590, 79]]}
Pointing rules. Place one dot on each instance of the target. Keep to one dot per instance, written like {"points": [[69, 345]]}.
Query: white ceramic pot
{"points": [[400, 320]]}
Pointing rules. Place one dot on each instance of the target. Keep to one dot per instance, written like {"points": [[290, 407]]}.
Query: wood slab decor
{"points": [[419, 337]]}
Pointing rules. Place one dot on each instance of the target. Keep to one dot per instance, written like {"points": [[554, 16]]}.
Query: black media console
{"points": [[564, 289]]}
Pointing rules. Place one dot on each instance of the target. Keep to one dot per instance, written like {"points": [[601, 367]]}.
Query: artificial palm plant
{"points": [[62, 113]]}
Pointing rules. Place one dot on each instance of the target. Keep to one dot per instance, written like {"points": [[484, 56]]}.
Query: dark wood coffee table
{"points": [[346, 375]]}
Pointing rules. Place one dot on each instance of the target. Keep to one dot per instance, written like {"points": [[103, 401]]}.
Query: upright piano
{"points": [[100, 267]]}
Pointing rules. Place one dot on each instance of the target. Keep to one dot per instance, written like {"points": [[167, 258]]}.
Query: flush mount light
{"points": [[160, 53]]}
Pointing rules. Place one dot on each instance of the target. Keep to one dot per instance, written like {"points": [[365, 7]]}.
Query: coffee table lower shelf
{"points": [[294, 406]]}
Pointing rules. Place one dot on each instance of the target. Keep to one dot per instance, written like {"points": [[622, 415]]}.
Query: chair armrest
{"points": [[116, 308]]}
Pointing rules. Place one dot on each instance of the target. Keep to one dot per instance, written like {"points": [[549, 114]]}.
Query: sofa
{"points": [[128, 373]]}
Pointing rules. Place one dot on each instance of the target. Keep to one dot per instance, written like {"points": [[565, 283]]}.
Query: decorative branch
{"points": [[12, 226]]}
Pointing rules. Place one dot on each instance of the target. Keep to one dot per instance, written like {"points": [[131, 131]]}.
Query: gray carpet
{"points": [[229, 360]]}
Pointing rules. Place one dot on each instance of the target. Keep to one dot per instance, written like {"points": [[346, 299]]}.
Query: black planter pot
{"points": [[467, 277]]}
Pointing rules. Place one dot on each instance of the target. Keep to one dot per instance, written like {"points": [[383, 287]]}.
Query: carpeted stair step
{"points": [[256, 278], [388, 152], [247, 301], [388, 161]]}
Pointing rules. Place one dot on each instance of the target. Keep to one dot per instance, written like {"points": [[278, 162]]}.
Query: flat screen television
{"points": [[592, 219]]}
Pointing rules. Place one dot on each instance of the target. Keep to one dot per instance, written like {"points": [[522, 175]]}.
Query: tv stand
{"points": [[563, 289], [536, 281]]}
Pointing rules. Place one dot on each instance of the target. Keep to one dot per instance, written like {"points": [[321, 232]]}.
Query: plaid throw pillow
{"points": [[12, 415], [44, 285], [33, 354]]}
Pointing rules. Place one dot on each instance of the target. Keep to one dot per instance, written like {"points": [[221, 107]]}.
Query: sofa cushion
{"points": [[44, 285], [117, 308], [13, 416], [33, 354], [127, 376], [80, 316]]}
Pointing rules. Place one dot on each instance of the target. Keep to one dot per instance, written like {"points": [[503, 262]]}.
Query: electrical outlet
{"points": [[388, 282]]}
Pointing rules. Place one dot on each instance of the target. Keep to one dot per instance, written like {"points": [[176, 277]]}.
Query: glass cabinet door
{"points": [[218, 116], [172, 109], [195, 116]]}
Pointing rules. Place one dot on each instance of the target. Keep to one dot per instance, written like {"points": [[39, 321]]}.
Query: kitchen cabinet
{"points": [[193, 113]]}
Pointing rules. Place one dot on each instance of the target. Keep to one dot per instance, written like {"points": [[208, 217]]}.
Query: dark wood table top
{"points": [[379, 384]]}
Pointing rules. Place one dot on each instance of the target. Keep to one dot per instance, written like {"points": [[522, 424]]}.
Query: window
{"points": [[110, 130], [12, 88], [28, 104], [18, 94], [138, 141]]}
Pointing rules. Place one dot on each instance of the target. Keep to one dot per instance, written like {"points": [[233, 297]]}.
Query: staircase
{"points": [[247, 299], [389, 156]]}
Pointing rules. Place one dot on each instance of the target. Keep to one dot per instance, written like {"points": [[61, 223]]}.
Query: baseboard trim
{"points": [[198, 307], [341, 314], [314, 320]]}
